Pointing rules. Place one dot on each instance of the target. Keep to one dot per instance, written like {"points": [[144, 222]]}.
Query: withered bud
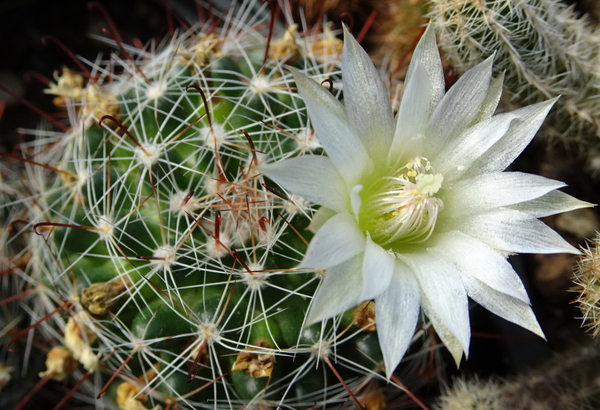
{"points": [[78, 338], [285, 48], [59, 364], [5, 374], [364, 316], [255, 363], [102, 295], [129, 396], [329, 47], [204, 49]]}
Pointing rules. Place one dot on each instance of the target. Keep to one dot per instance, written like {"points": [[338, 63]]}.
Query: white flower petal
{"points": [[366, 98], [397, 312], [440, 282], [520, 134], [489, 104], [498, 189], [554, 202], [461, 152], [476, 259], [427, 56], [338, 240], [338, 292], [447, 337], [319, 218], [511, 309], [378, 268], [459, 108], [312, 177], [341, 143], [413, 114], [317, 92], [513, 231]]}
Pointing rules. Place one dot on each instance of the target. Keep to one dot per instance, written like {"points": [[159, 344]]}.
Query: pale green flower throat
{"points": [[403, 208]]}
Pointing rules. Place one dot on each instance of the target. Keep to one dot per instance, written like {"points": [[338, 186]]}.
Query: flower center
{"points": [[404, 207]]}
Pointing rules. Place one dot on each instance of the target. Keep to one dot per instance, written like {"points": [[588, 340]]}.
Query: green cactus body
{"points": [[544, 48], [155, 229]]}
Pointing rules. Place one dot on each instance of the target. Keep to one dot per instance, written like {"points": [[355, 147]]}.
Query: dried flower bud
{"points": [[102, 295], [59, 364], [78, 338], [254, 363], [364, 316]]}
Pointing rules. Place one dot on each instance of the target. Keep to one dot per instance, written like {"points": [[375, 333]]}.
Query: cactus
{"points": [[544, 48], [399, 27], [567, 381], [586, 275], [156, 262]]}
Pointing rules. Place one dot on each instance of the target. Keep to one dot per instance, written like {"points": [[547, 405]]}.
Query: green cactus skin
{"points": [[544, 48], [152, 196]]}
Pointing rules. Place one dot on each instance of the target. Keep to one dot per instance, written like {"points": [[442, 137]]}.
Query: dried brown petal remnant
{"points": [[285, 48], [78, 338], [102, 295], [59, 364], [5, 375], [129, 395], [329, 47], [254, 362], [199, 55], [364, 316], [70, 89]]}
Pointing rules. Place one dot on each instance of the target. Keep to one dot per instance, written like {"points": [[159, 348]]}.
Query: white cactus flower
{"points": [[418, 210]]}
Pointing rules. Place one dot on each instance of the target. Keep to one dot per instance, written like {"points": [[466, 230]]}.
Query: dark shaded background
{"points": [[23, 23]]}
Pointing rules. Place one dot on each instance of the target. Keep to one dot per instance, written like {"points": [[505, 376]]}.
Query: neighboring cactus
{"points": [[567, 381], [150, 248], [400, 24], [544, 48], [587, 286]]}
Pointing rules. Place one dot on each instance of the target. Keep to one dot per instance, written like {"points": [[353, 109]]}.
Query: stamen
{"points": [[404, 207]]}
